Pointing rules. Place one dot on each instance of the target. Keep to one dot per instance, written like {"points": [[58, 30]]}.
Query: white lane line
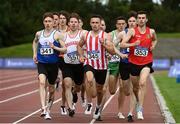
{"points": [[14, 79], [34, 113], [169, 119], [17, 85], [15, 74], [12, 98], [107, 102]]}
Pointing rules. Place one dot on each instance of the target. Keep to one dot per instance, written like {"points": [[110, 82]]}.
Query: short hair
{"points": [[48, 14], [141, 12], [56, 13], [74, 15], [96, 16], [120, 18], [132, 14], [64, 13]]}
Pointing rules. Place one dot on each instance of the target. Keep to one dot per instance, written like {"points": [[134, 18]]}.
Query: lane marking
{"points": [[169, 119], [17, 85], [12, 98], [15, 79], [105, 105], [34, 113], [15, 74]]}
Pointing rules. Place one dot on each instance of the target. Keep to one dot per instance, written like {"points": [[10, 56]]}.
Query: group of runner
{"points": [[93, 62]]}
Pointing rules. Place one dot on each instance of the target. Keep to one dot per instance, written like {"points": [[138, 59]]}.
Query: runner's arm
{"points": [[34, 46], [108, 45], [59, 37], [127, 37], [154, 39], [80, 45]]}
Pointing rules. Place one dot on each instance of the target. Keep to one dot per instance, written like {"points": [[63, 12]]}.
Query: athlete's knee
{"points": [[126, 92], [135, 88], [142, 83], [42, 83], [93, 94], [67, 85], [112, 91]]}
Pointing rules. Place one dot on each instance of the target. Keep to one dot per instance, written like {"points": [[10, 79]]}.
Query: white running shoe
{"points": [[74, 106], [120, 116], [97, 113], [47, 116], [63, 110], [88, 109], [140, 115]]}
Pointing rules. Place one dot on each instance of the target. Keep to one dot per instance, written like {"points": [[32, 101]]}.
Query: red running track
{"points": [[19, 103]]}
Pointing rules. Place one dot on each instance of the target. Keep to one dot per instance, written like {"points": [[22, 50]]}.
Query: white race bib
{"points": [[73, 56], [140, 51], [46, 51], [115, 58], [93, 55]]}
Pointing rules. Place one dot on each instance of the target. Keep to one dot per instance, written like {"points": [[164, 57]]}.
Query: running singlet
{"points": [[72, 56], [115, 57], [45, 53], [95, 52], [141, 54]]}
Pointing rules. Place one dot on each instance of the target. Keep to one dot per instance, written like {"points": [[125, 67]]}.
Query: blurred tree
{"points": [[20, 19], [171, 4], [146, 5]]}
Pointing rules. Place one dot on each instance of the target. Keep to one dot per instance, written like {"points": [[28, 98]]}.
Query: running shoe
{"points": [[88, 109], [71, 112], [121, 116], [43, 112], [140, 115], [130, 118], [63, 110], [97, 113], [47, 116]]}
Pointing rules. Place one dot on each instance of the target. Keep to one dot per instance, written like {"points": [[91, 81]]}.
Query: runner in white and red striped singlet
{"points": [[95, 62]]}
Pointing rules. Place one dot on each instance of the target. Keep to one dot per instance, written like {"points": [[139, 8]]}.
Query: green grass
{"points": [[168, 35], [171, 92], [24, 50]]}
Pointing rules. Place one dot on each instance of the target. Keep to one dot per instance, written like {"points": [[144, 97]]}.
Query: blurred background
{"points": [[20, 19]]}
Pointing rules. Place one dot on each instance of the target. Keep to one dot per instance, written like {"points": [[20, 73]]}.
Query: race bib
{"points": [[46, 51], [140, 51], [73, 56], [93, 54], [115, 58]]}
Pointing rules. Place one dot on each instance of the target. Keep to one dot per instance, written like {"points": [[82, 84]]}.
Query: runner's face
{"points": [[73, 24], [62, 20], [141, 19], [56, 20], [48, 23], [80, 24], [95, 24], [103, 25], [132, 22], [120, 25]]}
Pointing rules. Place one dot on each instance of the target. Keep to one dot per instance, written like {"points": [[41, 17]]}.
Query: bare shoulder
{"points": [[121, 34], [106, 35], [83, 34], [37, 36], [38, 33], [152, 31]]}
